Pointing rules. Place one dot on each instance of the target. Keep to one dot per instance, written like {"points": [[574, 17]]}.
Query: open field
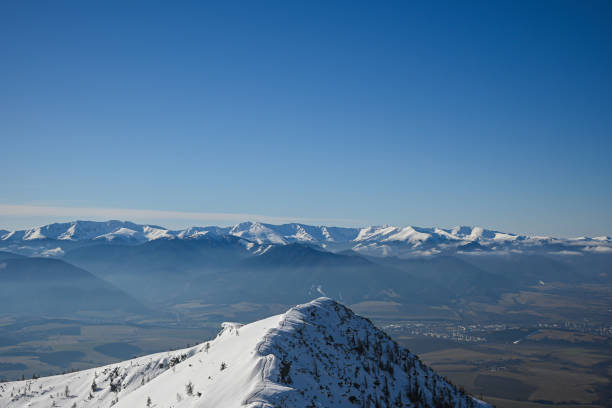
{"points": [[539, 371], [45, 348]]}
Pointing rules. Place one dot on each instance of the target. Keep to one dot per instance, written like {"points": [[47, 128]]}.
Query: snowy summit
{"points": [[319, 354]]}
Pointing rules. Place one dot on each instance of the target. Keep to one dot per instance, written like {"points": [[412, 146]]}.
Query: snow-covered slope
{"points": [[315, 355], [88, 230], [373, 241], [291, 233]]}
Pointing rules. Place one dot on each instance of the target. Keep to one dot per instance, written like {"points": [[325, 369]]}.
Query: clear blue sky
{"points": [[433, 113]]}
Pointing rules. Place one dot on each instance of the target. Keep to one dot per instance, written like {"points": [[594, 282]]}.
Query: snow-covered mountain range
{"points": [[374, 240], [319, 354]]}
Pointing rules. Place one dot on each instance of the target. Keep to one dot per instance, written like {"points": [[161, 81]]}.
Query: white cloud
{"points": [[599, 249], [566, 252], [53, 252]]}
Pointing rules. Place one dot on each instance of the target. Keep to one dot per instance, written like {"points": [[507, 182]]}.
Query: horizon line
{"points": [[63, 214], [131, 214]]}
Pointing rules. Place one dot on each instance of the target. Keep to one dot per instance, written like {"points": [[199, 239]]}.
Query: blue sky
{"points": [[351, 113]]}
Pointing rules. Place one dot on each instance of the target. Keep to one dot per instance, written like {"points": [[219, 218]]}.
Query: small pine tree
{"points": [[149, 403], [189, 388], [115, 387]]}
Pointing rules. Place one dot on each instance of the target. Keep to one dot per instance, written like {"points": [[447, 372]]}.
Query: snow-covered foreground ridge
{"points": [[318, 354], [375, 241]]}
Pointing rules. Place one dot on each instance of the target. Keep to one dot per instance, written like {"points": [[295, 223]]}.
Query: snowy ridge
{"points": [[318, 354], [88, 230], [373, 241]]}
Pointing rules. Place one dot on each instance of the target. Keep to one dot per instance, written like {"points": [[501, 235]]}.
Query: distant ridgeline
{"points": [[96, 267], [55, 239]]}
